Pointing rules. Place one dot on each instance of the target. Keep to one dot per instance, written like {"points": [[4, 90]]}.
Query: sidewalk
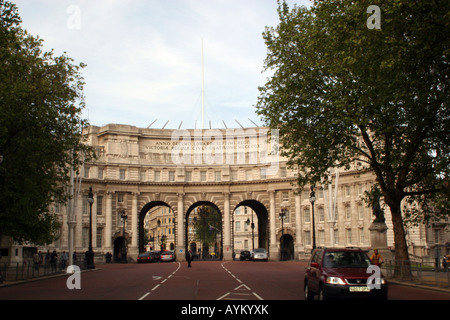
{"points": [[9, 283], [428, 280]]}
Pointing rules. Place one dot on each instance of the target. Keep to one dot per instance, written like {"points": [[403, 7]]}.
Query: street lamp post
{"points": [[252, 225], [90, 255], [282, 215], [124, 218], [312, 198]]}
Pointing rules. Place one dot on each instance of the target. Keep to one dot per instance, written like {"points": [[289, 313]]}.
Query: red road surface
{"points": [[233, 280]]}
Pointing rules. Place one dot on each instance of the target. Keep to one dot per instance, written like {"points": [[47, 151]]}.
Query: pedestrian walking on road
{"points": [[189, 258]]}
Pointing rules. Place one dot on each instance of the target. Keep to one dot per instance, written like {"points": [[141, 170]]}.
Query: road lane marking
{"points": [[240, 288], [158, 285]]}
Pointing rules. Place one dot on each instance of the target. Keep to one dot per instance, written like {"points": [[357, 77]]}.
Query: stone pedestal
{"points": [[378, 239], [180, 253]]}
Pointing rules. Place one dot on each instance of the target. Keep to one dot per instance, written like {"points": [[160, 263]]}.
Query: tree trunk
{"points": [[402, 264]]}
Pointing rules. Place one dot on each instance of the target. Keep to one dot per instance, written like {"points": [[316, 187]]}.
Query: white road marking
{"points": [[157, 278], [242, 288]]}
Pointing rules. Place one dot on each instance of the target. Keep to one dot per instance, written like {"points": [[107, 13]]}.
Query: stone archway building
{"points": [[137, 169]]}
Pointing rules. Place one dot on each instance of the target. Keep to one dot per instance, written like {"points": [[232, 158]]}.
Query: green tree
{"points": [[208, 225], [342, 93], [41, 98]]}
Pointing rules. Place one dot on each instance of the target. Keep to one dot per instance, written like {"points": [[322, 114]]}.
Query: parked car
{"points": [[260, 254], [245, 255], [167, 256], [342, 273], [146, 257]]}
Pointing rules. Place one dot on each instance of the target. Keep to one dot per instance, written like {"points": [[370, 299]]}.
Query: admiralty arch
{"points": [[139, 169]]}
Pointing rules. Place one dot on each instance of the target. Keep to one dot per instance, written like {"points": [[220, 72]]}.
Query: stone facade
{"points": [[139, 169]]}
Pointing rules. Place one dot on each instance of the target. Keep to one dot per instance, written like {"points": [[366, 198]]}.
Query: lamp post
{"points": [[252, 225], [282, 215], [90, 254], [312, 198], [124, 217]]}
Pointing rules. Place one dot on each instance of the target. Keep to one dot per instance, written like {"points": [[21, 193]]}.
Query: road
{"points": [[226, 281]]}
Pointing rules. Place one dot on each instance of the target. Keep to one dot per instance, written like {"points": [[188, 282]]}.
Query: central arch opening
{"points": [[203, 234]]}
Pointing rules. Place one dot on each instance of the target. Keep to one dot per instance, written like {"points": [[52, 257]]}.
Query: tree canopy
{"points": [[41, 99], [342, 93]]}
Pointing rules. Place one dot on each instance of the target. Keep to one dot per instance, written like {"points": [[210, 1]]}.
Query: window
{"points": [[86, 172], [308, 238], [361, 212], [120, 197], [321, 214], [285, 196], [321, 237], [238, 226], [157, 176], [85, 237], [360, 189], [100, 173], [307, 215], [347, 190], [234, 175], [171, 176], [283, 172], [349, 236], [348, 213], [202, 176], [143, 174], [122, 174], [99, 237], [99, 205], [85, 205], [188, 176], [218, 175], [361, 235]]}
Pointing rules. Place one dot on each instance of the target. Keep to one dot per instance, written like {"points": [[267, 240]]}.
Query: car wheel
{"points": [[308, 293], [322, 295]]}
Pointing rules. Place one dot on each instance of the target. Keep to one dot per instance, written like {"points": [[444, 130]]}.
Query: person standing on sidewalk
{"points": [[376, 258]]}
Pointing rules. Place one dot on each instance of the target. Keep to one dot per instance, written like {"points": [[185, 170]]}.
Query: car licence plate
{"points": [[359, 289]]}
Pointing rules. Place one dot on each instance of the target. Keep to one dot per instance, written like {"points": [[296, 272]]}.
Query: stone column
{"points": [[180, 245], [134, 250], [273, 247], [227, 247], [79, 223], [108, 221], [298, 226]]}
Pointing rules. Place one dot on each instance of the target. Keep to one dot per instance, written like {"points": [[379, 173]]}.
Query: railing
{"points": [[27, 269], [419, 272]]}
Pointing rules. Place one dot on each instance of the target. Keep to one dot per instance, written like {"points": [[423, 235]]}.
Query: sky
{"points": [[144, 57]]}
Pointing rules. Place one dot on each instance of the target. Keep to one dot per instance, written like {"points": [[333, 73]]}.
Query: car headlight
{"points": [[335, 280]]}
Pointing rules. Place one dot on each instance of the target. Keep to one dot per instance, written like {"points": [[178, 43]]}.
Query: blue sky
{"points": [[144, 57]]}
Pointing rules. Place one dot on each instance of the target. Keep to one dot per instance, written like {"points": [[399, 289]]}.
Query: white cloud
{"points": [[144, 56]]}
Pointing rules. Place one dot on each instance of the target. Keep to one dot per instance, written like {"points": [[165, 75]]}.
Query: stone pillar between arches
{"points": [[180, 245], [227, 247]]}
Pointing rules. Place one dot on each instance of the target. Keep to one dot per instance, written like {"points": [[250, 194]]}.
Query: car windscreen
{"points": [[346, 259]]}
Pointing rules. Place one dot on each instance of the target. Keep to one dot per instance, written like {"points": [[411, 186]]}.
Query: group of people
{"points": [[51, 259]]}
